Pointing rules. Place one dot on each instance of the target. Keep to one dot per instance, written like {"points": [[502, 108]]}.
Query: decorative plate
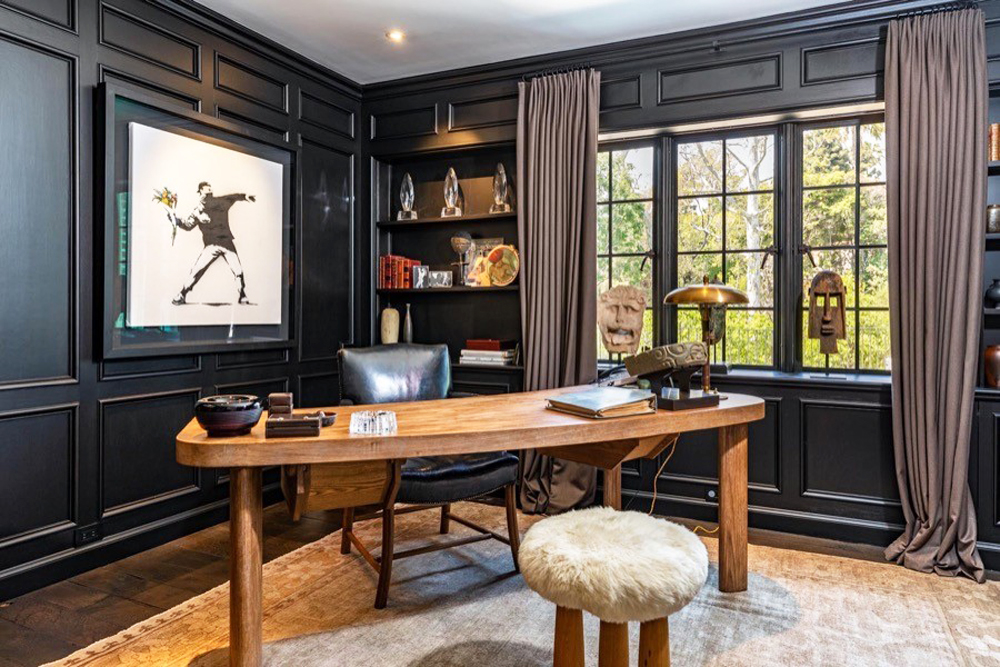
{"points": [[503, 265]]}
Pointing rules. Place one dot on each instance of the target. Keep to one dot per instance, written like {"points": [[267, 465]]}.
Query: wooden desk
{"points": [[459, 426]]}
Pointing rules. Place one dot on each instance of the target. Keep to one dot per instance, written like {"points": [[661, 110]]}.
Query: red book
{"points": [[489, 344]]}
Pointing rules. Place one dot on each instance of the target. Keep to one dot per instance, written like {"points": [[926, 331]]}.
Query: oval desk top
{"points": [[454, 426]]}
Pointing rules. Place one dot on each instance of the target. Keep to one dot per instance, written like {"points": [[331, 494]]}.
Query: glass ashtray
{"points": [[373, 422]]}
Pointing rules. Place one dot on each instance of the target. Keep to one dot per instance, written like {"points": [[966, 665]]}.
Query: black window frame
{"points": [[654, 255], [773, 253], [856, 121]]}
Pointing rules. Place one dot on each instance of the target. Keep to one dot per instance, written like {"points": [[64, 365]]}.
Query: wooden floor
{"points": [[55, 621]]}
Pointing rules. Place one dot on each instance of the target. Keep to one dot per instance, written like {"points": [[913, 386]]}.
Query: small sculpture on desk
{"points": [[664, 365], [619, 318], [500, 191], [406, 199], [451, 193]]}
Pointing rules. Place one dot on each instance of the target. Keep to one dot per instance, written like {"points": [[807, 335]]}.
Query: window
{"points": [[844, 224], [725, 212], [625, 196]]}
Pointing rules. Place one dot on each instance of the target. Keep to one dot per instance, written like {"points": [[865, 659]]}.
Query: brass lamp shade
{"points": [[706, 293]]}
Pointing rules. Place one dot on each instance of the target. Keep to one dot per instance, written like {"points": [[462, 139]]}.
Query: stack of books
{"points": [[489, 352], [396, 272]]}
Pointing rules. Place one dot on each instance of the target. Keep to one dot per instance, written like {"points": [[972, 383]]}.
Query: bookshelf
{"points": [[454, 314]]}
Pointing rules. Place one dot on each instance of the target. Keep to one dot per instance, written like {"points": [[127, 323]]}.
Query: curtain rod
{"points": [[564, 69], [936, 9]]}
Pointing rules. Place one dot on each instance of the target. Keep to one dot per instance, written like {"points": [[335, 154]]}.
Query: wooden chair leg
{"points": [[613, 650], [513, 534], [445, 523], [345, 533], [654, 643], [385, 562], [568, 648]]}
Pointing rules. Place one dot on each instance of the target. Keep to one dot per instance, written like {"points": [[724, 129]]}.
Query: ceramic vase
{"points": [[991, 364], [390, 326], [408, 327], [992, 296]]}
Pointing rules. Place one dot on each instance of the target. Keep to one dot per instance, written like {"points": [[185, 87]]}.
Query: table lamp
{"points": [[711, 299]]}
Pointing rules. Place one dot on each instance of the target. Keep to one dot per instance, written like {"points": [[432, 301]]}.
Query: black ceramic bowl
{"points": [[233, 414]]}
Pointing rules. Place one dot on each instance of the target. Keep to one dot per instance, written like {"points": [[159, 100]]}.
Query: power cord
{"points": [[652, 505]]}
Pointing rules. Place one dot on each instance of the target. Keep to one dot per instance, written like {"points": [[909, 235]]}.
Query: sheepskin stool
{"points": [[620, 567]]}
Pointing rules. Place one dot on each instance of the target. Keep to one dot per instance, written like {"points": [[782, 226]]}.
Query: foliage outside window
{"points": [[625, 228], [844, 222], [725, 208]]}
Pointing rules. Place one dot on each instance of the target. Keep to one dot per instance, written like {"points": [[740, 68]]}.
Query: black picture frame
{"points": [[117, 106]]}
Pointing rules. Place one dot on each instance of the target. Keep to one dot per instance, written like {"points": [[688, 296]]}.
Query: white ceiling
{"points": [[348, 36]]}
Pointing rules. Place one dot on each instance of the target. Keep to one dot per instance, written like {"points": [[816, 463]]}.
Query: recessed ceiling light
{"points": [[395, 35]]}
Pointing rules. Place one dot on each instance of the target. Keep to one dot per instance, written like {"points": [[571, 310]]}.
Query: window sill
{"points": [[804, 378], [810, 378]]}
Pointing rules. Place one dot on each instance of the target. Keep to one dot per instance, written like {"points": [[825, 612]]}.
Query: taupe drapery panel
{"points": [[936, 121], [557, 234]]}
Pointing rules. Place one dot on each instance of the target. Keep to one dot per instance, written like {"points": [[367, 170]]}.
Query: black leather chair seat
{"points": [[448, 479]]}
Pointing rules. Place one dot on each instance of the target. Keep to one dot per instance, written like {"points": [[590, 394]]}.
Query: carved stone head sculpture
{"points": [[827, 320], [619, 317]]}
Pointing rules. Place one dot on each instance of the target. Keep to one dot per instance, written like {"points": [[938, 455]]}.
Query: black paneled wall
{"points": [[87, 470]]}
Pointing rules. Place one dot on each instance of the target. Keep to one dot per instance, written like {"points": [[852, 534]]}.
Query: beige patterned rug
{"points": [[464, 607]]}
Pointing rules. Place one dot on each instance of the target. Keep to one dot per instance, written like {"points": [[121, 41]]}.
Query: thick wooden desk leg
{"points": [[613, 487], [733, 508], [245, 567]]}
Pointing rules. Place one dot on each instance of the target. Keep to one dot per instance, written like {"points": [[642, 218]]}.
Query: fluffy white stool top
{"points": [[618, 566]]}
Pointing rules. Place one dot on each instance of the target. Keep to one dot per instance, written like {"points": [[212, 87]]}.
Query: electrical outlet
{"points": [[87, 534]]}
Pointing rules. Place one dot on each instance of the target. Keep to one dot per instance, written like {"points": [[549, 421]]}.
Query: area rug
{"points": [[465, 607]]}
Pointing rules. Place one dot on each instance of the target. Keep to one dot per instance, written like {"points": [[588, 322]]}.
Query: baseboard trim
{"points": [[61, 565], [796, 522]]}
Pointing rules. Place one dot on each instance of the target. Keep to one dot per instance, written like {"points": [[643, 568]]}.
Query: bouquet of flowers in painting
{"points": [[168, 199]]}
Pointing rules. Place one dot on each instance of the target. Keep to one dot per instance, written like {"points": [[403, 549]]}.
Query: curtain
{"points": [[936, 121], [557, 211]]}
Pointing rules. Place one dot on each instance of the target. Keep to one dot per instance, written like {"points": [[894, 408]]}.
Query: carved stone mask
{"points": [[619, 317], [827, 319]]}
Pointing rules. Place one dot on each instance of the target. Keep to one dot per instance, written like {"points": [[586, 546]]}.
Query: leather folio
{"points": [[605, 402]]}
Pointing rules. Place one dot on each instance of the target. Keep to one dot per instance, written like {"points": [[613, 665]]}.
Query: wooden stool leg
{"points": [[345, 532], [613, 650], [654, 643], [385, 562], [513, 534], [568, 649], [445, 522]]}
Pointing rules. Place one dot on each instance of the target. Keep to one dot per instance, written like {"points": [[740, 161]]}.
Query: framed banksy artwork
{"points": [[197, 221]]}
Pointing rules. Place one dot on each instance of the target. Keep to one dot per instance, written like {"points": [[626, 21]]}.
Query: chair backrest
{"points": [[394, 373]]}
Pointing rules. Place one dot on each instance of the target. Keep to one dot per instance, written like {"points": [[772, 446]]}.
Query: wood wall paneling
{"points": [[38, 447], [243, 81], [618, 93], [327, 239], [726, 79], [418, 122], [842, 61], [147, 41], [38, 186], [483, 112], [60, 13], [138, 467], [326, 115], [834, 466]]}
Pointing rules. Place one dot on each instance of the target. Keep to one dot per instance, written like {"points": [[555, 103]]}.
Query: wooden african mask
{"points": [[827, 319], [619, 317]]}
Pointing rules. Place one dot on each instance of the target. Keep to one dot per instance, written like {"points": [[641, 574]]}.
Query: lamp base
{"points": [[672, 398]]}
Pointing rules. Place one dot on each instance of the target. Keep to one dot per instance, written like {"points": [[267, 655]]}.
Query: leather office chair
{"points": [[407, 372]]}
